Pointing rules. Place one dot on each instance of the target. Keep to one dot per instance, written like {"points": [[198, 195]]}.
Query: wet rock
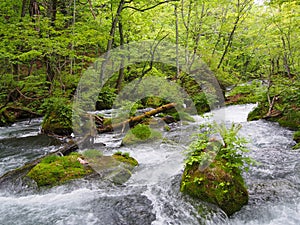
{"points": [[215, 185], [54, 170]]}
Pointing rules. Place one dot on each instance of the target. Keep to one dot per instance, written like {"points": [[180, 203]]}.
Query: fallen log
{"points": [[136, 119]]}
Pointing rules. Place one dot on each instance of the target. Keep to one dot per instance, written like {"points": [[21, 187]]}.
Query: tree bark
{"points": [[24, 4], [53, 12], [111, 36], [177, 43], [121, 70]]}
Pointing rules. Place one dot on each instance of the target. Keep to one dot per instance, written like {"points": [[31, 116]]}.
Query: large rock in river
{"points": [[54, 170], [215, 184]]}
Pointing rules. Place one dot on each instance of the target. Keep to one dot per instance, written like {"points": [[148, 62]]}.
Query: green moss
{"points": [[92, 153], [153, 102], [141, 133], [6, 117], [107, 121], [257, 113], [296, 136], [297, 146], [182, 116], [54, 170], [167, 128], [216, 185], [58, 117], [125, 158], [290, 119]]}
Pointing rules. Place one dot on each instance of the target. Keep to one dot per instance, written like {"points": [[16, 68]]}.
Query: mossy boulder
{"points": [[58, 117], [6, 117], [116, 168], [52, 125], [55, 170], [141, 133], [286, 118], [217, 185], [125, 158], [258, 112]]}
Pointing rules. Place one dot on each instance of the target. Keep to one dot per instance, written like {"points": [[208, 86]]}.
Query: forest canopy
{"points": [[46, 45]]}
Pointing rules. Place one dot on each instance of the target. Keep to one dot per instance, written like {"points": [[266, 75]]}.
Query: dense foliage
{"points": [[47, 44]]}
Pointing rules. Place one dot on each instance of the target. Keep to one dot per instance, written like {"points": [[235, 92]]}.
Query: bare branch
{"points": [[91, 8]]}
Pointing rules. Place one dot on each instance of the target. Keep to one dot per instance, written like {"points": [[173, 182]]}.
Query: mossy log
{"points": [[136, 119]]}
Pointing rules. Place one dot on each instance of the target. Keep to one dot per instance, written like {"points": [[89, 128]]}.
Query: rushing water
{"points": [[152, 196]]}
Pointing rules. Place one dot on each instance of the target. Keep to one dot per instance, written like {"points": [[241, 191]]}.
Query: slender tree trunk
{"points": [[229, 41], [111, 36], [241, 9], [177, 42], [121, 70], [50, 71], [186, 22], [285, 59], [24, 5], [53, 12]]}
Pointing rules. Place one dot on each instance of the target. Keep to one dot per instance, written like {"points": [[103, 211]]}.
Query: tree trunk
{"points": [[111, 36], [285, 59], [177, 43], [24, 4], [121, 70], [53, 11]]}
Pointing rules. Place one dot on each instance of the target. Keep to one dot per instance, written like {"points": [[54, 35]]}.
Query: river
{"points": [[151, 195]]}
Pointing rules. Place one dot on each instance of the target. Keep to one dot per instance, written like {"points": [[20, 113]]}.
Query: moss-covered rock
{"points": [[258, 112], [52, 126], [125, 158], [213, 168], [55, 170], [116, 168], [289, 118], [141, 133], [58, 117], [216, 184], [6, 117]]}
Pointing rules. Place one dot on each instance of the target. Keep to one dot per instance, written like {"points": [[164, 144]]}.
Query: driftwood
{"points": [[136, 119]]}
